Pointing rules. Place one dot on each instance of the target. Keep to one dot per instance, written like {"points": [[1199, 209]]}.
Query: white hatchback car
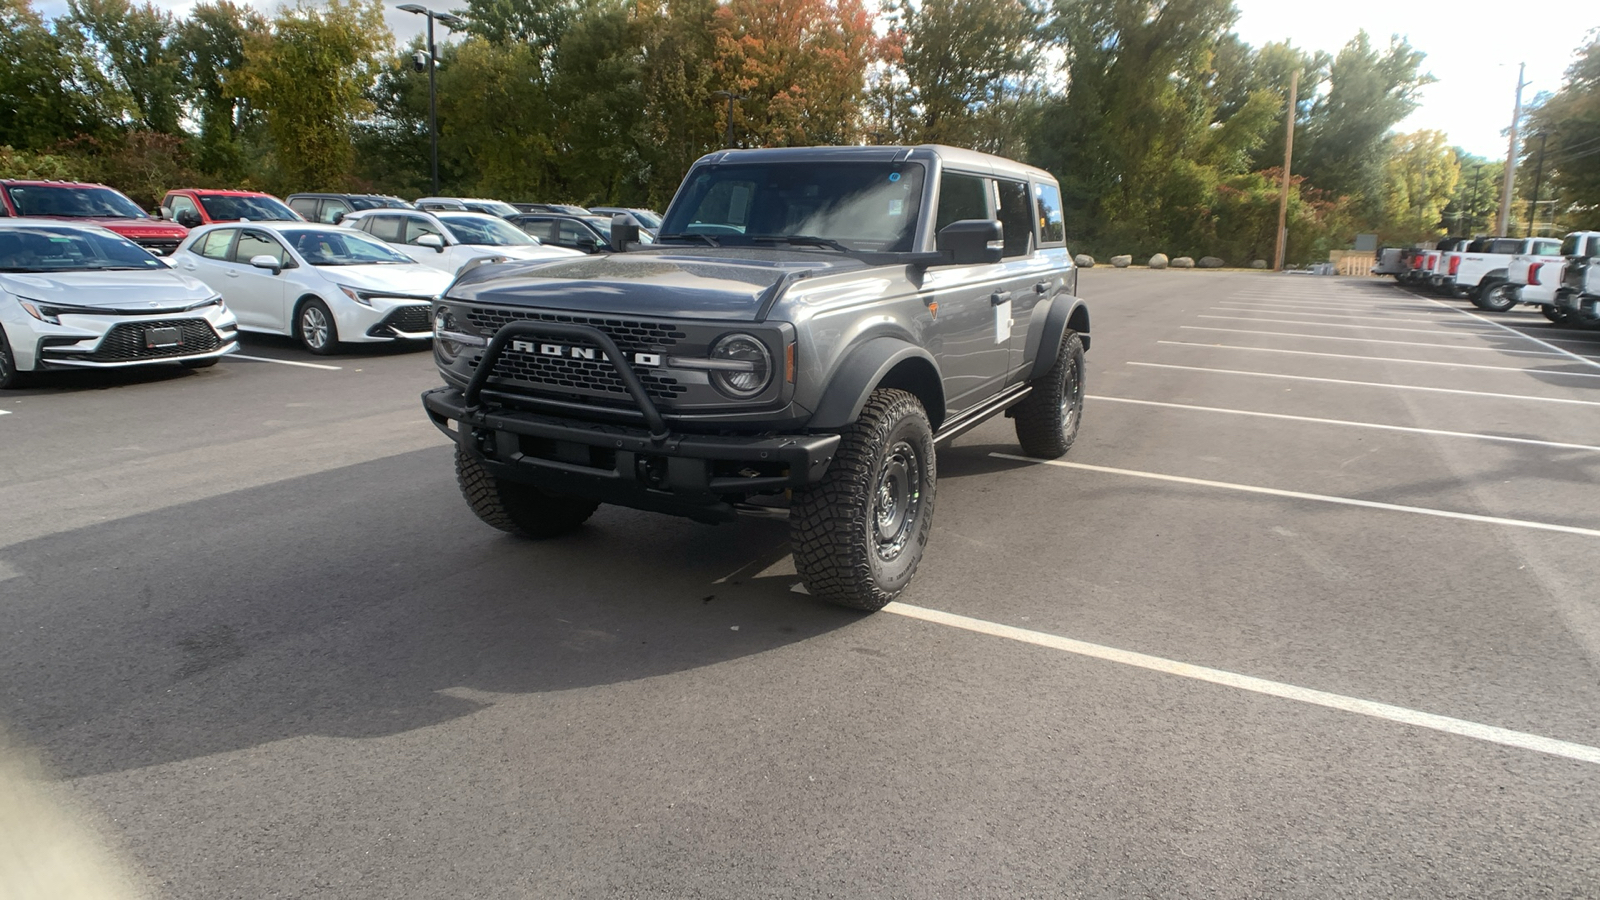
{"points": [[82, 297], [450, 240], [321, 284]]}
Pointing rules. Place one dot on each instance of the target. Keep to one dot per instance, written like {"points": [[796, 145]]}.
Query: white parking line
{"points": [[282, 362], [1301, 495], [1527, 337], [1332, 337], [5, 412], [1349, 325], [1374, 310], [1318, 315], [1460, 727], [1346, 422], [1376, 384], [1394, 359]]}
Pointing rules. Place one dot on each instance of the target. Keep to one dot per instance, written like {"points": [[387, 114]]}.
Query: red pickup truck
{"points": [[90, 204], [193, 207]]}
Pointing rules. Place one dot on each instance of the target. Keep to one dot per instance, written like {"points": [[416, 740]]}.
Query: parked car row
{"points": [[1560, 277]]}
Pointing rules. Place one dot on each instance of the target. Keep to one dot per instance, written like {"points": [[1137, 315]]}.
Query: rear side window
{"points": [[961, 197], [1546, 248], [1504, 246], [215, 244], [306, 207], [1052, 226], [386, 228], [332, 209], [543, 229], [1016, 218]]}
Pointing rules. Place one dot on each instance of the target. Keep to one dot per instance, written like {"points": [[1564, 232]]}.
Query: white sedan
{"points": [[82, 297], [450, 240], [321, 284]]}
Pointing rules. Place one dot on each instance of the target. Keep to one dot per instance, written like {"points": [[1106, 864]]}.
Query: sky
{"points": [[1473, 48]]}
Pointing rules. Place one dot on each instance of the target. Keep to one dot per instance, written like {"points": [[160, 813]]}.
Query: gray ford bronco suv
{"points": [[809, 325]]}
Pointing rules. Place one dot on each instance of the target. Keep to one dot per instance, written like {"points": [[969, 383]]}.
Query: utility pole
{"points": [[1288, 154], [1538, 176], [731, 98], [1503, 221]]}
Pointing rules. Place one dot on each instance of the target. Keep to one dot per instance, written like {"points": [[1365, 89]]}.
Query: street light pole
{"points": [[731, 97], [452, 22]]}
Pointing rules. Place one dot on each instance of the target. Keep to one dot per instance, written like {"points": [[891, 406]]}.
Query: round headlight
{"points": [[748, 370], [444, 322]]}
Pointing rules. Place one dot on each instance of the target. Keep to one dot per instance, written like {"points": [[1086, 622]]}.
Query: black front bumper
{"points": [[694, 475]]}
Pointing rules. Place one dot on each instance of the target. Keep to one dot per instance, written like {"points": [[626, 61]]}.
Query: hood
{"points": [[129, 228], [410, 281], [127, 291], [716, 284], [526, 251]]}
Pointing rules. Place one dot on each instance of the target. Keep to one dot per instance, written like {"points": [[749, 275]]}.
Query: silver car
{"points": [[83, 297]]}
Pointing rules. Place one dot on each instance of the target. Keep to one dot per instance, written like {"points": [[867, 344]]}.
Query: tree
{"points": [[133, 47], [495, 119], [681, 119], [963, 69], [309, 77], [211, 48], [1368, 94], [800, 64], [1421, 173], [39, 105], [1570, 120]]}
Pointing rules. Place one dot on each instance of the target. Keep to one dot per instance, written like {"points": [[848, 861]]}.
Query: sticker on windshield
{"points": [[893, 177], [897, 207]]}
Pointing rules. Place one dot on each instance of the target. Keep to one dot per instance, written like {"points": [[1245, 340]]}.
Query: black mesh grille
{"points": [[159, 246], [126, 341], [410, 319], [591, 378]]}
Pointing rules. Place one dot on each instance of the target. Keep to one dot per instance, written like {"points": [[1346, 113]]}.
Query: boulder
{"points": [[1183, 262], [1122, 262], [1258, 264], [1083, 261], [1159, 261], [1210, 262]]}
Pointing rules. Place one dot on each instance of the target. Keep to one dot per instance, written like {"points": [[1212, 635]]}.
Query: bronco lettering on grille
{"points": [[572, 352]]}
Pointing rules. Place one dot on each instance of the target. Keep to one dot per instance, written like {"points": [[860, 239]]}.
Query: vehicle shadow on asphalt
{"points": [[284, 347], [70, 381], [358, 603]]}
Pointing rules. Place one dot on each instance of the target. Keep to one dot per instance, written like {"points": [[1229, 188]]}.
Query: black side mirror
{"points": [[971, 242], [587, 245], [188, 218], [624, 231]]}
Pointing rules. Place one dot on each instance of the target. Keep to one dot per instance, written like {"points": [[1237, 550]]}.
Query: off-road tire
{"points": [[9, 376], [519, 509], [1494, 296], [836, 525], [305, 329], [1047, 419]]}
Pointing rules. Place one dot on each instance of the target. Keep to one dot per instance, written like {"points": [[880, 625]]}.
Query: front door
{"points": [[259, 291], [970, 330]]}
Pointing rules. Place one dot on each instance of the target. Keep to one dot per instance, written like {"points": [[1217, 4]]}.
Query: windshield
{"points": [[493, 207], [328, 247], [480, 229], [45, 249], [867, 206], [73, 202], [223, 208]]}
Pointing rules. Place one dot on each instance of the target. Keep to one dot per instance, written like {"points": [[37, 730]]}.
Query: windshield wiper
{"points": [[710, 241], [802, 240]]}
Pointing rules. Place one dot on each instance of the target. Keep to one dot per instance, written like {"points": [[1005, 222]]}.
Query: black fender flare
{"points": [[1065, 311], [867, 368]]}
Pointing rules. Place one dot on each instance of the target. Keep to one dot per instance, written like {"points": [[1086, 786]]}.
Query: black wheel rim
{"points": [[1071, 396], [897, 504]]}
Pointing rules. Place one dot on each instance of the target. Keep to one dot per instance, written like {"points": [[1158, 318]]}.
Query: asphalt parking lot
{"points": [[1308, 611]]}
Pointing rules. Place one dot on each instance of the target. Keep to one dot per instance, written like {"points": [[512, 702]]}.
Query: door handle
{"points": [[1042, 287], [998, 297], [232, 274]]}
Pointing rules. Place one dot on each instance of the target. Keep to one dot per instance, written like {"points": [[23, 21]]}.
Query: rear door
{"points": [[965, 334], [1026, 270]]}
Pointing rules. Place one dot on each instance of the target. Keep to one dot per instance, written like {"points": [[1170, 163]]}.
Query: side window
{"points": [[253, 244], [417, 227], [961, 197], [181, 203], [1015, 217], [306, 207], [386, 228], [215, 245], [332, 209], [572, 233], [1546, 248], [1052, 227], [543, 229]]}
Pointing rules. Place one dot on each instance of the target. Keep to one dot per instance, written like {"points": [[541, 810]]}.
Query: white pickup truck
{"points": [[1436, 262], [1578, 296], [1463, 270], [1485, 274]]}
